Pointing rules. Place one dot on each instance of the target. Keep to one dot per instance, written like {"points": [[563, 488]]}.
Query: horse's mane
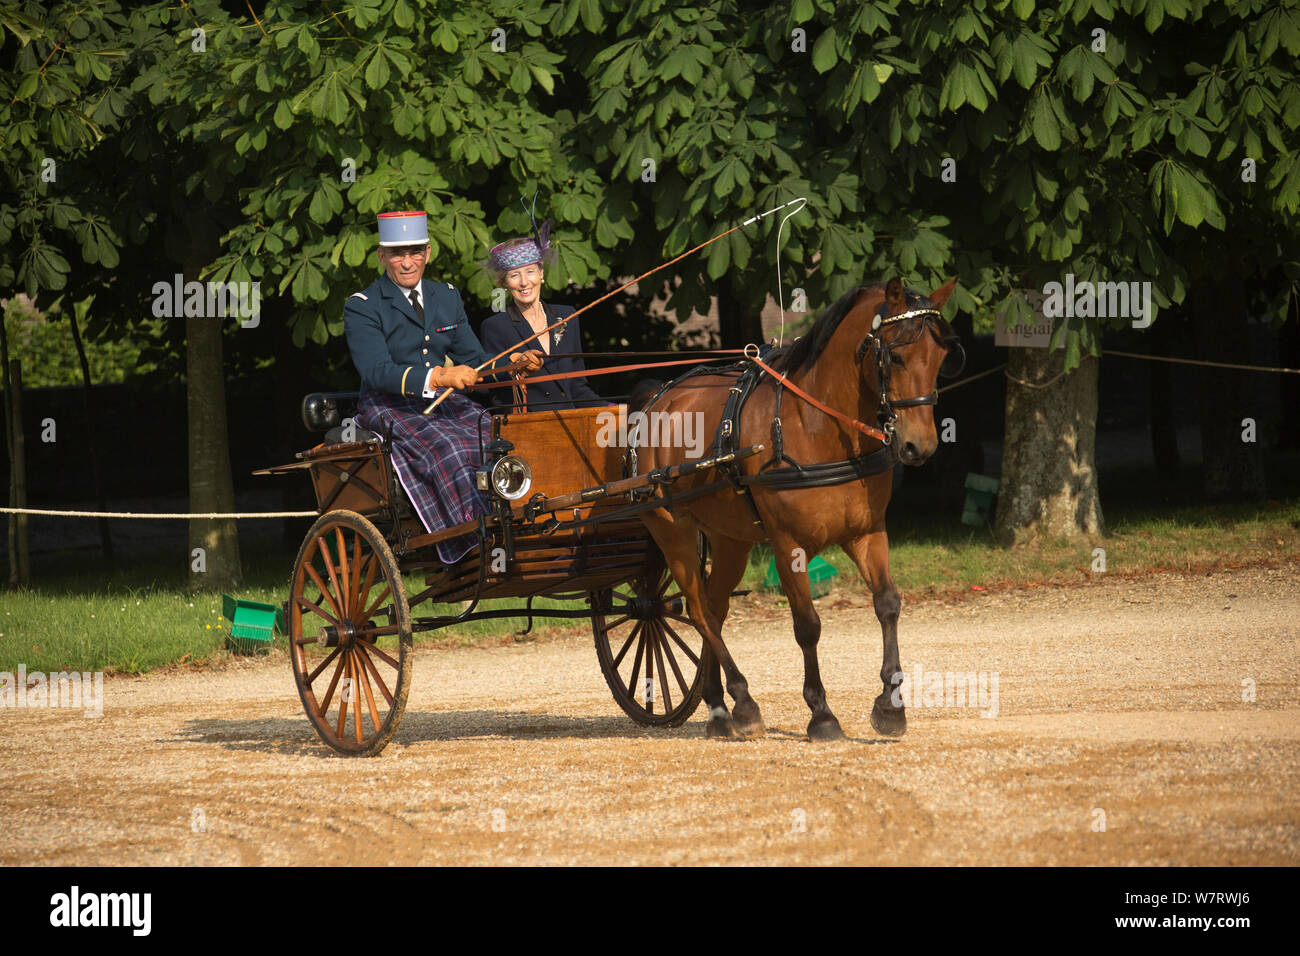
{"points": [[809, 346]]}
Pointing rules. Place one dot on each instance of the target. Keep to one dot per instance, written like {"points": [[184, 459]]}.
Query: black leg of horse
{"points": [[807, 632], [871, 554]]}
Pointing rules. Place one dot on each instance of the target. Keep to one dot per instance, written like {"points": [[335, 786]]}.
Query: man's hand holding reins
{"points": [[457, 376]]}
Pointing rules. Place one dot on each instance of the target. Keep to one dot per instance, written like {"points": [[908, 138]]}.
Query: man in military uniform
{"points": [[400, 330]]}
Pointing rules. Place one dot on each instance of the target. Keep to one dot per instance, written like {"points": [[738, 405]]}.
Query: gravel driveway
{"points": [[1121, 736]]}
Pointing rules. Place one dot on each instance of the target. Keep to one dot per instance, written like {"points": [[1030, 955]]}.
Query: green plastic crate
{"points": [[252, 625], [820, 577], [980, 491]]}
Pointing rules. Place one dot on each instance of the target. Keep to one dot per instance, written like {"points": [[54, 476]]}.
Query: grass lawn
{"points": [[140, 618]]}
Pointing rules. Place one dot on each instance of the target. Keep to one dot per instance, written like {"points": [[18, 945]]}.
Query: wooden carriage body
{"points": [[575, 536]]}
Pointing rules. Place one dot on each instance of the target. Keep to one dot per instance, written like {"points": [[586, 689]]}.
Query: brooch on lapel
{"points": [[557, 333]]}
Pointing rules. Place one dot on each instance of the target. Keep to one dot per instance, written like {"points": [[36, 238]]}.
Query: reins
{"points": [[781, 379], [783, 382]]}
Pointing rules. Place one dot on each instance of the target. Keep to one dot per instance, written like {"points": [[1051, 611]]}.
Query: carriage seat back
{"points": [[331, 413]]}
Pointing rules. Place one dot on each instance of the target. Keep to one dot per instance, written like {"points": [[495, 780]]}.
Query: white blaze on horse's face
{"points": [[914, 372]]}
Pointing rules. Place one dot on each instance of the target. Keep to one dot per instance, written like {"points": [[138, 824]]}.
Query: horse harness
{"points": [[772, 473]]}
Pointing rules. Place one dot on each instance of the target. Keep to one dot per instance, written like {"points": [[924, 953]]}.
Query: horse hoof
{"points": [[748, 720], [825, 728], [722, 728], [891, 723]]}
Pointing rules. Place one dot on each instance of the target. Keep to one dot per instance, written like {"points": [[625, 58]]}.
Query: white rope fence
{"points": [[170, 514]]}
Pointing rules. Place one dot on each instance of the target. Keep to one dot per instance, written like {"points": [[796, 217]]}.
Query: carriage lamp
{"points": [[510, 478], [505, 475]]}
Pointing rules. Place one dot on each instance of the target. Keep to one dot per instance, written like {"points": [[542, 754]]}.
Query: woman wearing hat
{"points": [[400, 331], [519, 266]]}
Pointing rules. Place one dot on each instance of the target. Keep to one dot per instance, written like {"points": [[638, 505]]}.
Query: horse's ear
{"points": [[940, 295], [895, 302]]}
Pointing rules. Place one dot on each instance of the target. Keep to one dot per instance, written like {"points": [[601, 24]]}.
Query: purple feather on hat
{"points": [[544, 240]]}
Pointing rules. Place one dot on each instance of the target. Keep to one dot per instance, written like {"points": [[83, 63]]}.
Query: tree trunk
{"points": [[105, 539], [1233, 465], [1049, 473], [216, 567], [20, 567]]}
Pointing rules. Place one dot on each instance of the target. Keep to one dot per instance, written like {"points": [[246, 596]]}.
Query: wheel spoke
{"points": [[683, 645], [626, 644], [354, 580], [329, 694], [383, 657], [325, 592], [378, 601], [613, 624], [677, 671], [636, 665], [371, 563], [648, 684], [303, 602], [323, 549], [345, 588], [365, 682], [343, 704], [311, 678], [659, 639], [374, 671], [356, 699]]}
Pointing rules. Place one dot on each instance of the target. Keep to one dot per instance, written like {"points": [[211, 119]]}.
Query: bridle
{"points": [[887, 415]]}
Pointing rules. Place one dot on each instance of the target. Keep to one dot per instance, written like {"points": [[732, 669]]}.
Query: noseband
{"points": [[888, 414]]}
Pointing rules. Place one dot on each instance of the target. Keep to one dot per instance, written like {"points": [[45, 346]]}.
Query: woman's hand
{"points": [[532, 357], [458, 376]]}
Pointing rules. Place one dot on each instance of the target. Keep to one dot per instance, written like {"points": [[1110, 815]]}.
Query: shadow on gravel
{"points": [[295, 737]]}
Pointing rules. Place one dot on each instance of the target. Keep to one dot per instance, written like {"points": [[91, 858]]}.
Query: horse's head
{"points": [[906, 347]]}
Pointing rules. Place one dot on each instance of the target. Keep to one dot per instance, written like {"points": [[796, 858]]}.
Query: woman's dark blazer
{"points": [[507, 329]]}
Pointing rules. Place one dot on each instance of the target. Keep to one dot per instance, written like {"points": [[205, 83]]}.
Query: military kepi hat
{"points": [[403, 229]]}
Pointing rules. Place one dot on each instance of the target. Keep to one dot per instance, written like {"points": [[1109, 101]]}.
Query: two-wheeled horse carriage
{"points": [[564, 525]]}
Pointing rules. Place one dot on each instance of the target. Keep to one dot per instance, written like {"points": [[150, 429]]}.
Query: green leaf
{"points": [[283, 117], [377, 72], [823, 54], [1047, 133]]}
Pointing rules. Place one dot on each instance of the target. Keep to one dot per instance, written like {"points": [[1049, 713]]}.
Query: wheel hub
{"points": [[643, 608], [344, 635]]}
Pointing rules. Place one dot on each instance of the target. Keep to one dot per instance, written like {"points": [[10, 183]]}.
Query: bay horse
{"points": [[875, 355]]}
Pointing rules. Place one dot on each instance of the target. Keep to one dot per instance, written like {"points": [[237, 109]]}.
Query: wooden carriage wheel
{"points": [[350, 634], [649, 651]]}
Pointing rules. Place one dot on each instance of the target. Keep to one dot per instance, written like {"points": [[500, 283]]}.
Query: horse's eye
{"points": [[896, 359]]}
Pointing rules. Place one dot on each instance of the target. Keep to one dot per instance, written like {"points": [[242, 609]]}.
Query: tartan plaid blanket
{"points": [[435, 456]]}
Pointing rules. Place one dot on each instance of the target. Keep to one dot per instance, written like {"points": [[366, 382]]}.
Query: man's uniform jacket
{"points": [[393, 350]]}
